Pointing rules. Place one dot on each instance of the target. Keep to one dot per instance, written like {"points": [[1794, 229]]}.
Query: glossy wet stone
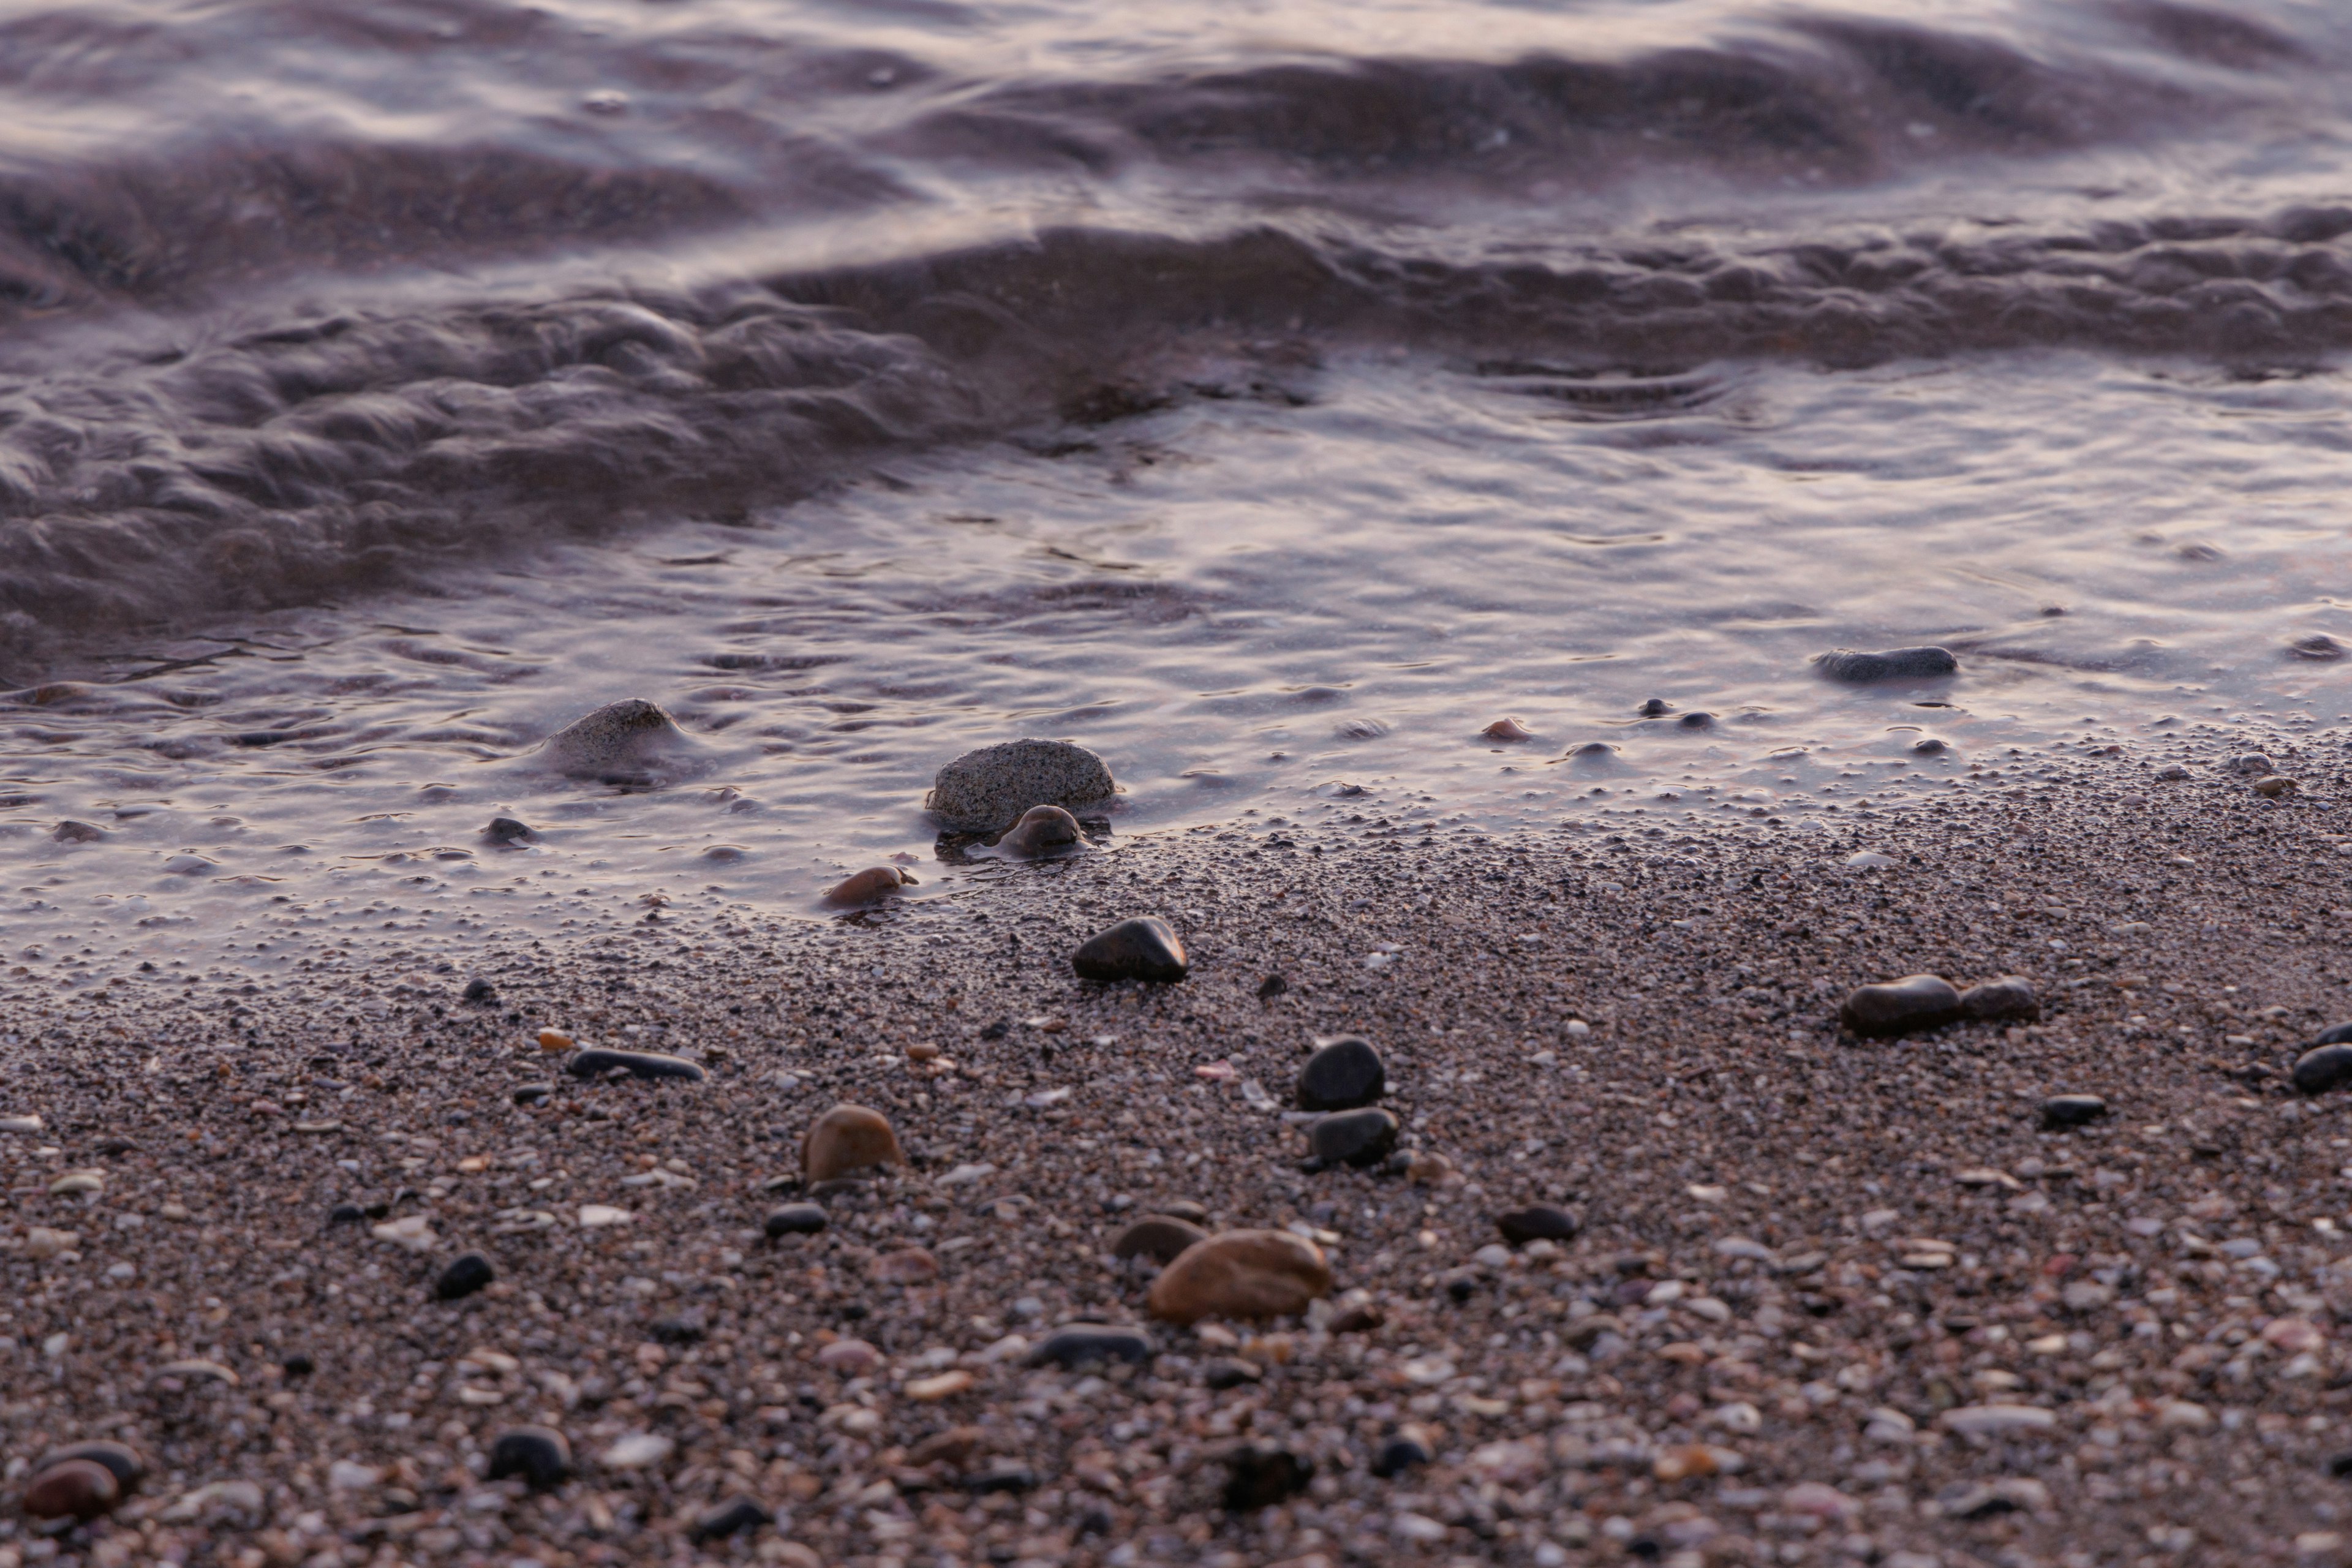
{"points": [[2072, 1110], [1087, 1344], [1915, 1003], [796, 1219], [1141, 949], [1353, 1137], [2011, 997], [982, 791], [1258, 1475], [534, 1093], [1536, 1222], [870, 886], [1342, 1075], [1042, 830], [1241, 1274], [72, 1489], [508, 831], [1894, 664], [120, 1459], [2329, 1067], [846, 1139], [629, 742], [540, 1455], [1160, 1237], [468, 1273], [647, 1066]]}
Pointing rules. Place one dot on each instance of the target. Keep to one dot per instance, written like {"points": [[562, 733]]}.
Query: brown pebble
{"points": [[1361, 1319], [874, 882], [1507, 730], [1916, 1002], [2010, 996], [908, 1266], [1241, 1274], [72, 1489], [846, 1139], [952, 1446], [1157, 1237], [1041, 830], [2274, 785]]}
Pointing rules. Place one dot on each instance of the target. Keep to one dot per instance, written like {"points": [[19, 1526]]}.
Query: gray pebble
{"points": [[1894, 664], [1903, 1006]]}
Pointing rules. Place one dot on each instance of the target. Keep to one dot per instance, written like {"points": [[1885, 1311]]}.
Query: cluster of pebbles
{"points": [[1651, 1199]]}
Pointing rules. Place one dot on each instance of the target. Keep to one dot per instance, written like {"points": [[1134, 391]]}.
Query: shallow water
{"points": [[1268, 398]]}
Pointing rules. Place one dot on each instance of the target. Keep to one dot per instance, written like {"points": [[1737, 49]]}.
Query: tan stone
{"points": [[875, 882], [1158, 1236], [1241, 1274], [846, 1139]]}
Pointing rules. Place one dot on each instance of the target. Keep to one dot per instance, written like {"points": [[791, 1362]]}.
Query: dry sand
{"points": [[1801, 1255]]}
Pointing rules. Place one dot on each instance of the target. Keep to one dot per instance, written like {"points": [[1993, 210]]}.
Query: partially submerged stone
{"points": [[1042, 830], [1914, 1002], [1142, 949], [630, 743], [870, 886], [1241, 1274], [1894, 664], [846, 1139], [982, 791]]}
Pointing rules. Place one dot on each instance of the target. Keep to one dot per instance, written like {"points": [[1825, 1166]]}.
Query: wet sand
{"points": [[1804, 1259]]}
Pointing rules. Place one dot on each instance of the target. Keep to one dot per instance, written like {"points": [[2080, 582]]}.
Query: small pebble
{"points": [[1894, 664], [1140, 949], [2317, 645], [846, 1139], [1085, 1344], [507, 830], [2072, 1110], [1695, 722], [2329, 1067], [1902, 1007], [1354, 1137], [1241, 1274], [2271, 787], [736, 1516], [70, 832], [534, 1093], [2253, 764], [647, 1066], [1042, 830], [1399, 1454], [854, 1358], [71, 1489], [479, 992], [466, 1274], [1004, 1476], [906, 1265], [1258, 1475], [1161, 1237], [1536, 1222], [1507, 730], [2010, 996], [1187, 1210], [796, 1219], [1342, 1075], [1226, 1373], [346, 1214], [1656, 707], [1929, 747], [874, 883], [120, 1459], [538, 1454]]}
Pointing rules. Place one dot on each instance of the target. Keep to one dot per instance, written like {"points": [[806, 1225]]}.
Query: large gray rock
{"points": [[631, 742], [1894, 664], [982, 791]]}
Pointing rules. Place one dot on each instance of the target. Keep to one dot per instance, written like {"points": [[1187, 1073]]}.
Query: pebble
{"points": [[2274, 785], [1241, 1274], [1042, 830], [1507, 730], [1259, 1475], [533, 1093], [71, 1489], [538, 1454], [1004, 1476], [1227, 1372], [481, 991], [2319, 644], [1900, 1007], [1186, 1209], [1894, 664], [623, 742], [1354, 1138], [1929, 747], [1536, 1222], [908, 1266], [853, 1357], [468, 1273], [796, 1219], [1341, 1074], [1141, 949], [507, 830], [2253, 764], [120, 1459], [982, 791], [2072, 1110], [874, 883], [1084, 1344], [848, 1137], [1656, 707], [1399, 1454], [946, 1385], [644, 1065], [1696, 720], [736, 1516], [2010, 996], [1161, 1237], [71, 832], [636, 1451], [2329, 1067]]}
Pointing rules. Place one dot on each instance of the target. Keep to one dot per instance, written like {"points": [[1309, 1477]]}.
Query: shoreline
{"points": [[1781, 1399]]}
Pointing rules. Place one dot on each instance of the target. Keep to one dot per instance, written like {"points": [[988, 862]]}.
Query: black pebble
{"points": [[465, 1276], [346, 1214], [120, 1459], [1462, 1285], [1354, 1138], [1894, 664], [1259, 1475], [1081, 1345], [796, 1219], [647, 1064], [997, 1030], [1342, 1075], [1006, 1475], [507, 830], [533, 1093], [734, 1517], [1930, 747], [1398, 1455], [538, 1454], [2337, 1036], [298, 1365], [1272, 986], [2341, 1464], [1142, 949], [1696, 720], [1536, 1222], [2329, 1067], [2072, 1110], [676, 1332], [1227, 1374], [481, 991], [1656, 706]]}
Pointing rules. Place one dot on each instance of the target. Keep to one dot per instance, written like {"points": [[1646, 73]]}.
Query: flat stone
{"points": [[1141, 949], [736, 1516], [2274, 785], [72, 1489], [1354, 1137], [119, 1458], [870, 886], [796, 1219], [1003, 1475], [1894, 664], [644, 1065], [1241, 1274], [346, 1214], [467, 1273], [2072, 1110], [1042, 830], [1085, 1344], [1399, 1454], [1536, 1222], [982, 791], [538, 1454], [2010, 996], [1902, 1007], [848, 1137], [2329, 1067], [533, 1093], [1258, 1475], [1342, 1075], [1230, 1372], [1160, 1237], [628, 742]]}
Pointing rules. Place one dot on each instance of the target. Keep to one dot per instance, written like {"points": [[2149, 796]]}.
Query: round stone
{"points": [[796, 1219], [736, 1516], [1354, 1137], [2072, 1110], [538, 1454], [982, 791], [631, 742], [2010, 996], [1915, 1003], [508, 830], [846, 1139], [1894, 664], [71, 1489], [1399, 1454], [1241, 1274], [1536, 1222], [1145, 948], [466, 1274], [1341, 1074], [1042, 830], [1084, 1344], [119, 1458], [1161, 1237], [870, 886], [644, 1065], [1258, 1475], [2329, 1067]]}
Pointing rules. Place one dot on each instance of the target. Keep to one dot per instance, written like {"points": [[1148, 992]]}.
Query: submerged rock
{"points": [[1141, 949], [1902, 1007], [982, 791], [1507, 730], [1241, 1274], [1343, 1074], [1894, 664], [848, 1137], [1042, 830], [508, 831], [72, 832], [631, 742]]}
